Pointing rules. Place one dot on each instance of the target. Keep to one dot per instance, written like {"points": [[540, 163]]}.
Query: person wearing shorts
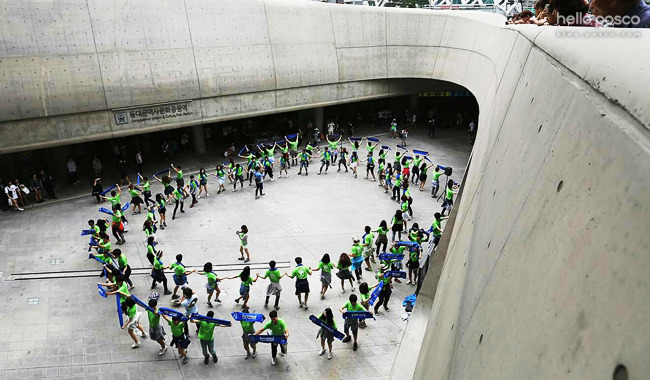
{"points": [[243, 246], [179, 338], [248, 328], [221, 178], [304, 162], [368, 249], [180, 274], [133, 321], [300, 273], [449, 197], [212, 284], [352, 323], [325, 335], [156, 331]]}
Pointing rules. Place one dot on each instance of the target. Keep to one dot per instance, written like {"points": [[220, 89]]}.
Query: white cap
{"points": [[355, 238]]}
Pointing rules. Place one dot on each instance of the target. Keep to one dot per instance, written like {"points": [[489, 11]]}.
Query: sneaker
{"points": [[274, 361], [167, 292], [162, 351], [276, 307], [321, 352], [215, 359], [386, 308], [329, 355], [206, 360], [408, 282], [185, 359], [346, 339], [199, 197], [306, 307], [322, 296], [368, 268], [233, 190], [182, 211], [247, 260], [257, 197], [135, 345], [353, 288], [175, 296], [207, 195], [248, 355], [254, 352], [240, 258], [301, 305], [209, 304], [217, 300], [144, 335], [343, 291], [266, 304], [354, 347], [236, 300]]}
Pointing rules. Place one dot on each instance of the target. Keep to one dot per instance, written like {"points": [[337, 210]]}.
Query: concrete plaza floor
{"points": [[60, 327]]}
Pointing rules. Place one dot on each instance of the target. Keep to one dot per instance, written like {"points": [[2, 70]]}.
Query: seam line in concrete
{"points": [[196, 67]]}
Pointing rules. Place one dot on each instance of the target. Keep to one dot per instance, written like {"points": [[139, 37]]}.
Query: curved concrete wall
{"points": [[546, 270]]}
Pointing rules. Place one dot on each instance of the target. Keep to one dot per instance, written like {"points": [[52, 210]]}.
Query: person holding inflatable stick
{"points": [[179, 338], [247, 322], [352, 323], [278, 328], [325, 333], [206, 335]]}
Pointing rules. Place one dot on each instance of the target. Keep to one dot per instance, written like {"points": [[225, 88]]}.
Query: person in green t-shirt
{"points": [[352, 323], [435, 182], [368, 249], [451, 189], [436, 228], [179, 176], [294, 150], [136, 200], [356, 257], [206, 337], [304, 162], [156, 331], [117, 225], [115, 196], [180, 274], [274, 288], [301, 272], [212, 284], [334, 148], [354, 162], [364, 295], [343, 160], [146, 190], [243, 243], [370, 147], [277, 327], [179, 195], [344, 272], [325, 266], [424, 168], [382, 237], [238, 172], [132, 321], [417, 160], [245, 287], [325, 160], [179, 337], [124, 266], [386, 291], [325, 335], [248, 328]]}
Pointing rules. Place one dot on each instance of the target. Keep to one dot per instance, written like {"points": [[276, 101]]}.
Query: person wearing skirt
{"points": [[325, 266], [136, 200], [344, 272]]}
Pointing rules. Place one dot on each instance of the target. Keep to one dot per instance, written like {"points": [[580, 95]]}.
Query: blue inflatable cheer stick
{"points": [[336, 333], [375, 293], [203, 318]]}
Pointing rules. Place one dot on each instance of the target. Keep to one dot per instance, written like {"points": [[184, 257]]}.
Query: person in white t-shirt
{"points": [[72, 170], [12, 194]]}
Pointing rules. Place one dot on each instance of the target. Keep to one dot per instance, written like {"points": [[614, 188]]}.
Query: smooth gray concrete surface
{"points": [[77, 71], [72, 332]]}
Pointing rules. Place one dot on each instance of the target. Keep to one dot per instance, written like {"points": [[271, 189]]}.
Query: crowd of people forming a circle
{"points": [[369, 249]]}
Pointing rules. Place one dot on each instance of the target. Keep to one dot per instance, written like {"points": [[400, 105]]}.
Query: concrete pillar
{"points": [[199, 139], [318, 120], [413, 101]]}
